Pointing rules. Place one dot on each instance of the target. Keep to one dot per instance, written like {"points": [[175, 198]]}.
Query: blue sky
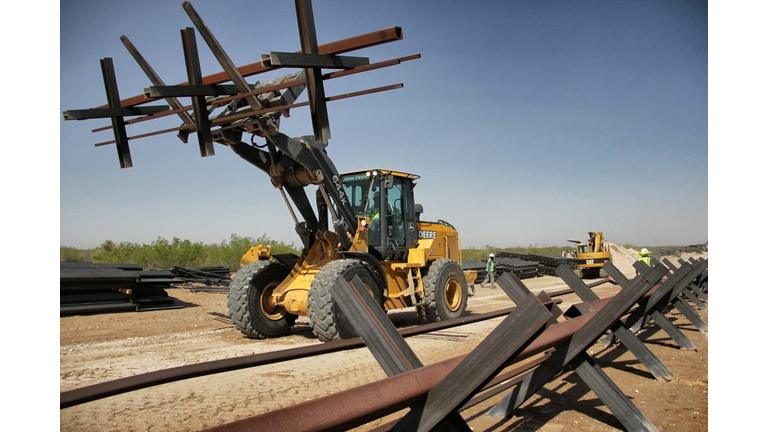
{"points": [[528, 122]]}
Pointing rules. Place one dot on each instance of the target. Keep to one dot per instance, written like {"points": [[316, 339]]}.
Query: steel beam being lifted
{"points": [[354, 43], [220, 120], [184, 90]]}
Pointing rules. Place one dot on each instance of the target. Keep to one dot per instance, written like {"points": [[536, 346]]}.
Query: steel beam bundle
{"points": [[521, 268], [211, 276], [547, 263], [96, 288], [252, 108]]}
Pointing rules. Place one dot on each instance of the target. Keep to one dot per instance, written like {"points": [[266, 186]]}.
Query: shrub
{"points": [[164, 254]]}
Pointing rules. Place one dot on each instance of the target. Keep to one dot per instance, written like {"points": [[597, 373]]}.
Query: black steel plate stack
{"points": [[521, 268], [95, 288], [477, 266], [547, 263], [212, 276]]}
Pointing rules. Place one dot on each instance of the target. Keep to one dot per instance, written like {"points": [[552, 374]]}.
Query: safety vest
{"points": [[490, 266], [646, 260]]}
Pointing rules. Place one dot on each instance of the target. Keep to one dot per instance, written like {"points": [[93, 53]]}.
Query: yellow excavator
{"points": [[592, 255]]}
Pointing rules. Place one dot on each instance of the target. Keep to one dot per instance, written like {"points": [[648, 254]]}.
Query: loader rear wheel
{"points": [[445, 292], [327, 321], [250, 301]]}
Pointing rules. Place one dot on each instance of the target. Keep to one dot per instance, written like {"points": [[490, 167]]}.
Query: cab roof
{"points": [[383, 171]]}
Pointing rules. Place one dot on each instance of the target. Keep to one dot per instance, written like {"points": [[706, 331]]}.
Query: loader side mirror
{"points": [[389, 181]]}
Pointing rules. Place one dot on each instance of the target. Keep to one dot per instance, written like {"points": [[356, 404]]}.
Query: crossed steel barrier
{"points": [[435, 395]]}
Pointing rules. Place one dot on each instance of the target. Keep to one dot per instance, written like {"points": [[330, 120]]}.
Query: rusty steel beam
{"points": [[570, 291], [354, 43], [315, 88], [370, 321], [266, 89], [118, 124], [359, 405], [155, 79], [497, 385], [479, 367], [123, 385], [389, 348], [630, 340], [202, 123], [576, 348], [219, 120]]}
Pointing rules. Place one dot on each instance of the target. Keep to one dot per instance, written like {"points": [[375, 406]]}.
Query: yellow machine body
{"points": [[593, 254], [403, 278]]}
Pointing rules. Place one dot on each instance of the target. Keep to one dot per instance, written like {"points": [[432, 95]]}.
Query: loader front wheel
{"points": [[327, 321], [445, 292], [250, 301]]}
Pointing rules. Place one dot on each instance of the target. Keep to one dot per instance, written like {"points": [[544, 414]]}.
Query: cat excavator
{"points": [[592, 255]]}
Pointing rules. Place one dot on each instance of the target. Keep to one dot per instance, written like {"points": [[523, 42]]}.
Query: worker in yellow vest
{"points": [[490, 266], [644, 257]]}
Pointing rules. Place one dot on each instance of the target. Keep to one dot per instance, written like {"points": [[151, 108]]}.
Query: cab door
{"points": [[401, 218]]}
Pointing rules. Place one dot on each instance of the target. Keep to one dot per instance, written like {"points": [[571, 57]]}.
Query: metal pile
{"points": [[537, 340], [211, 276], [477, 266], [547, 263], [521, 268], [95, 288], [676, 251]]}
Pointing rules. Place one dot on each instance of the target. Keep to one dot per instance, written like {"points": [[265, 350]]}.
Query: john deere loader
{"points": [[363, 223], [402, 260]]}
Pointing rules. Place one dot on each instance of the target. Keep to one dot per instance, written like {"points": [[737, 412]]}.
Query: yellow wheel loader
{"points": [[363, 223], [592, 255], [402, 260]]}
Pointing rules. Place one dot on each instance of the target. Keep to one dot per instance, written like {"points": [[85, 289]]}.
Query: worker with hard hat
{"points": [[490, 266], [644, 257]]}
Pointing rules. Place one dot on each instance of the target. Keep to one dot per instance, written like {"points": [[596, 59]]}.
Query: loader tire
{"points": [[325, 317], [249, 305], [445, 292]]}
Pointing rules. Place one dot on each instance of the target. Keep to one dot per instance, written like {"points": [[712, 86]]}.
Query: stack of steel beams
{"points": [[547, 263], [204, 275], [94, 288], [521, 268], [477, 266]]}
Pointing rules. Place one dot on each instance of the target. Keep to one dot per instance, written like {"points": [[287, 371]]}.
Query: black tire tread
{"points": [[320, 302], [237, 298], [428, 312]]}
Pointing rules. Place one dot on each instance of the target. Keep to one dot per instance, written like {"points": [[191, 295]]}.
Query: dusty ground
{"points": [[104, 347]]}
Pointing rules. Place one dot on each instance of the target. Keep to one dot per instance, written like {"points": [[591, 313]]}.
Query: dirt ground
{"points": [[104, 347]]}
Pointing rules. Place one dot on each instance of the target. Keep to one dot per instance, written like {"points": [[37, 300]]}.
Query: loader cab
{"points": [[387, 198]]}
